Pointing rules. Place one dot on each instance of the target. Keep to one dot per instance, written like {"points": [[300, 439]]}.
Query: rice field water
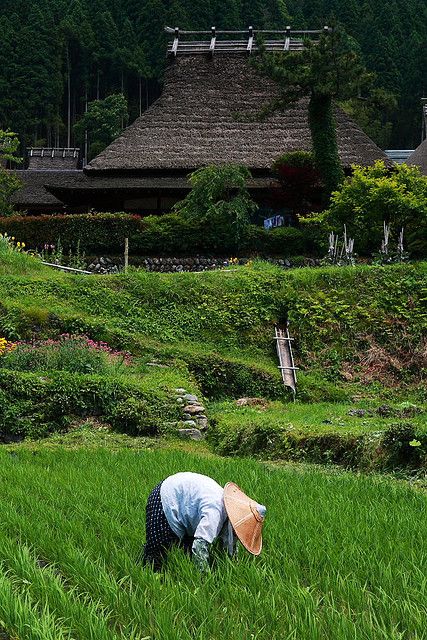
{"points": [[344, 555]]}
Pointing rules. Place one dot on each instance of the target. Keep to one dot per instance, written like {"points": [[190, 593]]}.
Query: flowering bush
{"points": [[8, 243], [6, 347], [73, 353]]}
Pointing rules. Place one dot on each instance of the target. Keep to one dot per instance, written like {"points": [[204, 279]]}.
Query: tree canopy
{"points": [[325, 71], [9, 182], [58, 55], [374, 195]]}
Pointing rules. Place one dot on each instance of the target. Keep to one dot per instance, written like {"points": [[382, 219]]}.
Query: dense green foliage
{"points": [[102, 123], [167, 235], [73, 527], [219, 200], [374, 195], [47, 385], [9, 182], [34, 404], [57, 53], [356, 324]]}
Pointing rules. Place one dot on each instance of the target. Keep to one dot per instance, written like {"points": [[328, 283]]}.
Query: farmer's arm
{"points": [[200, 551], [206, 532]]}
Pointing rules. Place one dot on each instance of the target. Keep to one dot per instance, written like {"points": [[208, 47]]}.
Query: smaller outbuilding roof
{"points": [[33, 193], [419, 157], [58, 158]]}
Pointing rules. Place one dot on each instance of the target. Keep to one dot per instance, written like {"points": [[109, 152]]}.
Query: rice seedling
{"points": [[344, 555]]}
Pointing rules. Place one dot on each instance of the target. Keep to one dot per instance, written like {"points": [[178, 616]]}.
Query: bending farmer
{"points": [[192, 510]]}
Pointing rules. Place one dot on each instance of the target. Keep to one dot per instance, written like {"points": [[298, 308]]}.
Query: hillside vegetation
{"points": [[350, 323], [359, 337]]}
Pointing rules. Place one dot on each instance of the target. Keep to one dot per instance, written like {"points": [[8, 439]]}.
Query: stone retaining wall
{"points": [[199, 263]]}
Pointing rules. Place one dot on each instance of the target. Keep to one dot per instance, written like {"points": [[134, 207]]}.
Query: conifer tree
{"points": [[324, 72]]}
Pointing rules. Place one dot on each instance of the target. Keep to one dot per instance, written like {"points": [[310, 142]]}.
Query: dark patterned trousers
{"points": [[159, 537]]}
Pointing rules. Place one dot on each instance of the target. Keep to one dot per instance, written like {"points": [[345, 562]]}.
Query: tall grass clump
{"points": [[13, 258], [73, 353]]}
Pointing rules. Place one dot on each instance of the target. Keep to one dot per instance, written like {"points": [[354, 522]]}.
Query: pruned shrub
{"points": [[133, 416], [33, 404], [167, 235], [403, 446]]}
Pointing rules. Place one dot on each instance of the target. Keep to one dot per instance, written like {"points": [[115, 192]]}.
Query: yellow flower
{"points": [[23, 245]]}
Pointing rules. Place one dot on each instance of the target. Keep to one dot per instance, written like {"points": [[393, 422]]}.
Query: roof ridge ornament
{"points": [[234, 42]]}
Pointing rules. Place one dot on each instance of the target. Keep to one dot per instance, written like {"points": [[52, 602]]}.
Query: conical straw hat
{"points": [[245, 516]]}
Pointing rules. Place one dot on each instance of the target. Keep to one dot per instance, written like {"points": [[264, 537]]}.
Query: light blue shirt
{"points": [[193, 505]]}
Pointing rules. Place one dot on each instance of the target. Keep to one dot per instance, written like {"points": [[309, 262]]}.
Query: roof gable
{"points": [[207, 114], [419, 157]]}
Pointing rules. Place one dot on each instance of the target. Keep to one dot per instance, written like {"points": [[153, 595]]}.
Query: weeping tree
{"points": [[324, 71]]}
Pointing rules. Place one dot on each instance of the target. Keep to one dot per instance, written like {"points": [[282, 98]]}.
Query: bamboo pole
{"points": [[126, 254]]}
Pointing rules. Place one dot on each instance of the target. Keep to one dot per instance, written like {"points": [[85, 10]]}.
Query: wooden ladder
{"points": [[286, 359]]}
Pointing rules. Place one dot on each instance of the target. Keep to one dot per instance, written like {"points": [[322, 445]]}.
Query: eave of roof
{"points": [[74, 187], [33, 192]]}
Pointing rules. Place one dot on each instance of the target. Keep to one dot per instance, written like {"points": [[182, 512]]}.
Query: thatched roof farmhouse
{"points": [[419, 157], [207, 114]]}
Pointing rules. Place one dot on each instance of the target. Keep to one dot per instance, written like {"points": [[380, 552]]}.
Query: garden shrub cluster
{"points": [[35, 404], [374, 195], [167, 235]]}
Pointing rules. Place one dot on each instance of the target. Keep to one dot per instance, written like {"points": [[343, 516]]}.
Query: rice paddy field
{"points": [[345, 555]]}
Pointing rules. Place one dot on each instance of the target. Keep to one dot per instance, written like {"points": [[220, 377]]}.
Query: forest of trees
{"points": [[56, 56]]}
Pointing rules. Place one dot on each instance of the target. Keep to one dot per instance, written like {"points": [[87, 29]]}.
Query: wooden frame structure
{"points": [[52, 152], [286, 358], [243, 42]]}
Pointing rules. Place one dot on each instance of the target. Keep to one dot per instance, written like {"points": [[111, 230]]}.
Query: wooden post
{"points": [[126, 254]]}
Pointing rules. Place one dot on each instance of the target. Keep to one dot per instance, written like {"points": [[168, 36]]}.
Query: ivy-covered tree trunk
{"points": [[325, 145]]}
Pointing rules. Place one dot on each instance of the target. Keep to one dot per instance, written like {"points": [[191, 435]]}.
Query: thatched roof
{"points": [[77, 187], [53, 158], [33, 193], [419, 157], [205, 115]]}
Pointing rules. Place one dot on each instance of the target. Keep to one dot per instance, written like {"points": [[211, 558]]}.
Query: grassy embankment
{"points": [[360, 339], [344, 555]]}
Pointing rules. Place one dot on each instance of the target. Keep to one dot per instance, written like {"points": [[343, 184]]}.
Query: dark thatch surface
{"points": [[202, 118], [33, 192], [419, 157], [77, 180], [106, 191], [58, 159]]}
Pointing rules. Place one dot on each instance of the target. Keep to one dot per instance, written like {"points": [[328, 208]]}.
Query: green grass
{"points": [[344, 556], [16, 263], [320, 418], [358, 332], [386, 437]]}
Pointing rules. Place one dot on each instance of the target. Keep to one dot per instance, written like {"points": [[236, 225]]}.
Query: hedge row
{"points": [[382, 451], [34, 405], [167, 235]]}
